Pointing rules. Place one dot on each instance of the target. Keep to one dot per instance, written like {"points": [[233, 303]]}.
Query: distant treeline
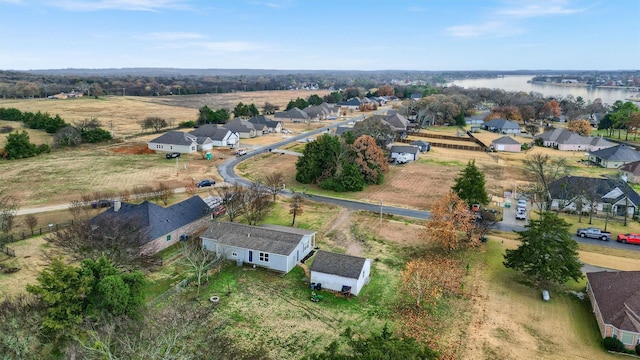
{"points": [[162, 82]]}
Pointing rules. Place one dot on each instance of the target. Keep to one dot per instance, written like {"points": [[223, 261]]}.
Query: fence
{"points": [[441, 136], [449, 146], [9, 238], [8, 251]]}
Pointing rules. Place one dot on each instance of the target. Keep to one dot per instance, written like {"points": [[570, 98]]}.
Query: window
{"points": [[627, 338], [234, 254], [168, 237], [305, 245], [264, 257]]}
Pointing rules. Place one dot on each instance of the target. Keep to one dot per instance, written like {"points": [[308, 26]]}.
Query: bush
{"points": [[187, 124], [613, 344], [638, 349]]}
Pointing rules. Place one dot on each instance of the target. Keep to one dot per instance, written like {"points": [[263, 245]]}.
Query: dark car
{"points": [[205, 183], [102, 203], [173, 155]]}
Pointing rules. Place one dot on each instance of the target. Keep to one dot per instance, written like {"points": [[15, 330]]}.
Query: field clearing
{"points": [[122, 114], [512, 322]]}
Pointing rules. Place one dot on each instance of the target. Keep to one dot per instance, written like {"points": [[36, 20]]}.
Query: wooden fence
{"points": [[8, 251], [440, 136], [9, 238], [449, 146]]}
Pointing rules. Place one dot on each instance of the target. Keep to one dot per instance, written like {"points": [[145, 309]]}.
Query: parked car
{"points": [[205, 183], [102, 203], [522, 203], [594, 233], [521, 214], [173, 155], [630, 238], [241, 152]]}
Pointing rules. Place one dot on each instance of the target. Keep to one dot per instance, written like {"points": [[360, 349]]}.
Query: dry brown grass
{"points": [[122, 114]]}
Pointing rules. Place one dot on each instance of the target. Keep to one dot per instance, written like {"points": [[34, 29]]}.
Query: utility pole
{"points": [[123, 91]]}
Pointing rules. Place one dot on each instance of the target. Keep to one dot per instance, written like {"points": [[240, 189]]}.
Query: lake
{"points": [[519, 83]]}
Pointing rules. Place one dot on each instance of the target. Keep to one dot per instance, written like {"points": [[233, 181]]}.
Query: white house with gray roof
{"points": [[566, 140], [295, 115], [175, 141], [502, 126], [340, 272], [614, 157], [278, 248], [506, 143], [413, 151]]}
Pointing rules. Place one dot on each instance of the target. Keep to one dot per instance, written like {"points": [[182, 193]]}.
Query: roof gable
{"points": [[338, 264], [506, 140]]}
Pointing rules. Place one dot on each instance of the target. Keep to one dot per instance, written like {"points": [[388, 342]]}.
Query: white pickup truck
{"points": [[594, 233]]}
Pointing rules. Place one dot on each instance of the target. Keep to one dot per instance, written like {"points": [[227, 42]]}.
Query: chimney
{"points": [[116, 205]]}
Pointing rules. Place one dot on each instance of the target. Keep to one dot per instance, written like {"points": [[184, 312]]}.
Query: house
{"points": [[244, 128], [272, 126], [502, 126], [340, 272], [422, 145], [175, 141], [566, 140], [398, 122], [569, 192], [631, 171], [219, 135], [317, 113], [278, 248], [506, 143], [204, 144], [353, 104], [295, 115], [614, 157], [413, 151], [163, 226], [615, 301]]}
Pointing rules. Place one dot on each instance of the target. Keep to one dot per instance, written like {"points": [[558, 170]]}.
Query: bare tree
{"points": [[31, 221], [79, 209], [199, 260], [256, 203], [191, 188], [8, 210], [233, 199], [164, 193], [154, 122], [542, 171], [117, 238], [274, 182], [297, 204]]}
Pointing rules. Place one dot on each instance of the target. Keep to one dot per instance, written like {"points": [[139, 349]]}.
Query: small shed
{"points": [[340, 272], [422, 145], [413, 151], [506, 143]]}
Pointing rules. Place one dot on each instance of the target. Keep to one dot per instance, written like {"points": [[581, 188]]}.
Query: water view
{"points": [[519, 83]]}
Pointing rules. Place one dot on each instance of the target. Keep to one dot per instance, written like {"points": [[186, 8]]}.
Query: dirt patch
{"points": [[137, 149]]}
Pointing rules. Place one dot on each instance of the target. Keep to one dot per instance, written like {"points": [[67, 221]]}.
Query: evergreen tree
{"points": [[469, 185], [547, 252]]}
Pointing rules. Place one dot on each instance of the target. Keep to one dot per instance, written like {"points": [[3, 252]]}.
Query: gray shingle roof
{"points": [[397, 121], [338, 264], [405, 149], [501, 124], [205, 130], [239, 125], [261, 119], [506, 140], [618, 296], [159, 220], [276, 241], [294, 113], [632, 167], [175, 137], [562, 188], [618, 153]]}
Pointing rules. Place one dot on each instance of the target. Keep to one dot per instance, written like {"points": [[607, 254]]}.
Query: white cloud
{"points": [[168, 36], [488, 29], [540, 8], [128, 5]]}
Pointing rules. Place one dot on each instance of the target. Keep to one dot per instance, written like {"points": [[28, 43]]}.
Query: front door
{"points": [[250, 256]]}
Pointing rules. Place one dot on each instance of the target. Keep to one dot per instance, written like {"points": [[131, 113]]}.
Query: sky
{"points": [[437, 35]]}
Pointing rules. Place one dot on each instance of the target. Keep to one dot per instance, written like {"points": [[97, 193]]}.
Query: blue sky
{"points": [[325, 34]]}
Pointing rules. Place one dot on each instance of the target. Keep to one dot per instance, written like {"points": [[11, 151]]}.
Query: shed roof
{"points": [[338, 264], [405, 149]]}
